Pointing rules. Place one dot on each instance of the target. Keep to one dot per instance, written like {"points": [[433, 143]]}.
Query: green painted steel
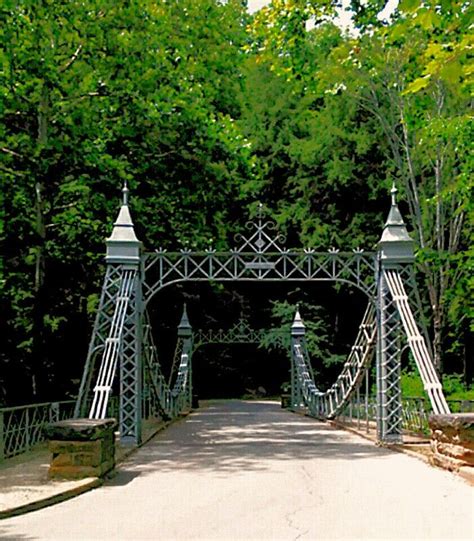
{"points": [[122, 335], [21, 427]]}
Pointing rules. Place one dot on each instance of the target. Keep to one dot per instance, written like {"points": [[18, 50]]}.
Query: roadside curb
{"points": [[466, 474], [51, 500], [341, 426], [95, 482]]}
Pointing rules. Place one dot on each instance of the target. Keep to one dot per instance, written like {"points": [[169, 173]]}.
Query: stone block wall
{"points": [[81, 448], [452, 441]]}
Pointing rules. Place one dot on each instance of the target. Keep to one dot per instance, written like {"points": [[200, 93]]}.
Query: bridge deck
{"points": [[249, 470]]}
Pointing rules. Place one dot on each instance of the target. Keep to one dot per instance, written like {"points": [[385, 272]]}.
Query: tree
{"points": [[94, 94], [407, 75]]}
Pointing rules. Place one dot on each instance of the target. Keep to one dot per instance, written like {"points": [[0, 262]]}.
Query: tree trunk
{"points": [[38, 349]]}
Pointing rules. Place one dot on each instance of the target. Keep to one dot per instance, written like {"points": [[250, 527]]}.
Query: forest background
{"points": [[206, 110]]}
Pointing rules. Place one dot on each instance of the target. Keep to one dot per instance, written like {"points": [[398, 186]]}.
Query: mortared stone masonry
{"points": [[81, 448], [452, 441]]}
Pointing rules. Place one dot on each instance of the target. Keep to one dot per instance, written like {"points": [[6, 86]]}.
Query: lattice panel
{"points": [[130, 369], [23, 426], [356, 268], [331, 402], [390, 424], [113, 282]]}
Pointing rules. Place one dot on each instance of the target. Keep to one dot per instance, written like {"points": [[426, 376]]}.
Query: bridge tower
{"points": [[117, 332], [395, 251]]}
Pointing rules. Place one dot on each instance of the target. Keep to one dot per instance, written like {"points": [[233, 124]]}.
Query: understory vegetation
{"points": [[206, 110]]}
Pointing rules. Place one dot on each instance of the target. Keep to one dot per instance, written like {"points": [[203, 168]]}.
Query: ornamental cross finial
{"points": [[125, 192], [394, 192], [261, 239]]}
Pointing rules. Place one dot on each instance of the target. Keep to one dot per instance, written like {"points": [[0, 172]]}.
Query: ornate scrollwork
{"points": [[262, 238]]}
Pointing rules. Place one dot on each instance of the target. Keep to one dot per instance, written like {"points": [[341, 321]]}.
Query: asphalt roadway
{"points": [[249, 470]]}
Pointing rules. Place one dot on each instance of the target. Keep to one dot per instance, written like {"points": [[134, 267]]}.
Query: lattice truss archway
{"points": [[122, 354]]}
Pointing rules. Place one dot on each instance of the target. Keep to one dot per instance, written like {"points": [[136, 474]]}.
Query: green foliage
{"points": [[204, 110], [411, 385], [454, 387], [93, 94], [317, 333]]}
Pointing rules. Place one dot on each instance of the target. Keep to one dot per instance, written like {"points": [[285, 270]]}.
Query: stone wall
{"points": [[452, 441], [81, 448]]}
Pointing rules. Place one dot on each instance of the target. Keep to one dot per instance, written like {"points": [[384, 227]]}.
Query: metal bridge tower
{"points": [[395, 251], [123, 340], [117, 332]]}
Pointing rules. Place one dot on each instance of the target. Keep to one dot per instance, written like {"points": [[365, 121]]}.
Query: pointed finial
{"points": [[260, 211], [395, 244], [394, 192], [123, 245], [184, 327], [125, 192], [297, 328]]}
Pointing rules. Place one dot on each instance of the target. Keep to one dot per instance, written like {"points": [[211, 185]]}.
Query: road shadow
{"points": [[5, 536], [231, 436], [26, 470]]}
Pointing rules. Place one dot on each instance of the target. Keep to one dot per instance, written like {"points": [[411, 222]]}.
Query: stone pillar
{"points": [[452, 441], [81, 448]]}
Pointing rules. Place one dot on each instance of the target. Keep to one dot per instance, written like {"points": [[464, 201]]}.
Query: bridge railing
{"points": [[21, 427], [415, 413]]}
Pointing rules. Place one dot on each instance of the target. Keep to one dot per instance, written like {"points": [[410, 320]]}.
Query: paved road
{"points": [[248, 470]]}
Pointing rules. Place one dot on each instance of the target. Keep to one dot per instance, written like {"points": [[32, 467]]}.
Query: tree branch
{"points": [[12, 152], [71, 61]]}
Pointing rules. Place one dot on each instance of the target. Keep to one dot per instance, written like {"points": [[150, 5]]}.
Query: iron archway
{"points": [[121, 330]]}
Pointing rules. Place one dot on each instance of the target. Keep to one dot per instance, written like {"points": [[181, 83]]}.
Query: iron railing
{"points": [[415, 413], [21, 427]]}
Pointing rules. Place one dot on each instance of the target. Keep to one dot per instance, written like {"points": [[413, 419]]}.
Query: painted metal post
{"points": [[2, 436], [54, 412], [27, 429], [366, 400], [395, 250], [124, 254], [297, 336], [185, 333]]}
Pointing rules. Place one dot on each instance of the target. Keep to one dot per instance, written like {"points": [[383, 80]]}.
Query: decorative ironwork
{"points": [[21, 427], [122, 333], [355, 268], [330, 403], [240, 333], [260, 240], [389, 422], [259, 256]]}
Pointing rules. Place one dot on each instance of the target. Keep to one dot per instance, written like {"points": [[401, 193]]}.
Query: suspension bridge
{"points": [[253, 470], [123, 358]]}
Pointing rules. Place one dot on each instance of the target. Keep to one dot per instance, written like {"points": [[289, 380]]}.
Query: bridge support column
{"points": [[395, 250], [297, 335], [117, 334], [185, 333], [389, 400], [124, 250], [131, 369]]}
